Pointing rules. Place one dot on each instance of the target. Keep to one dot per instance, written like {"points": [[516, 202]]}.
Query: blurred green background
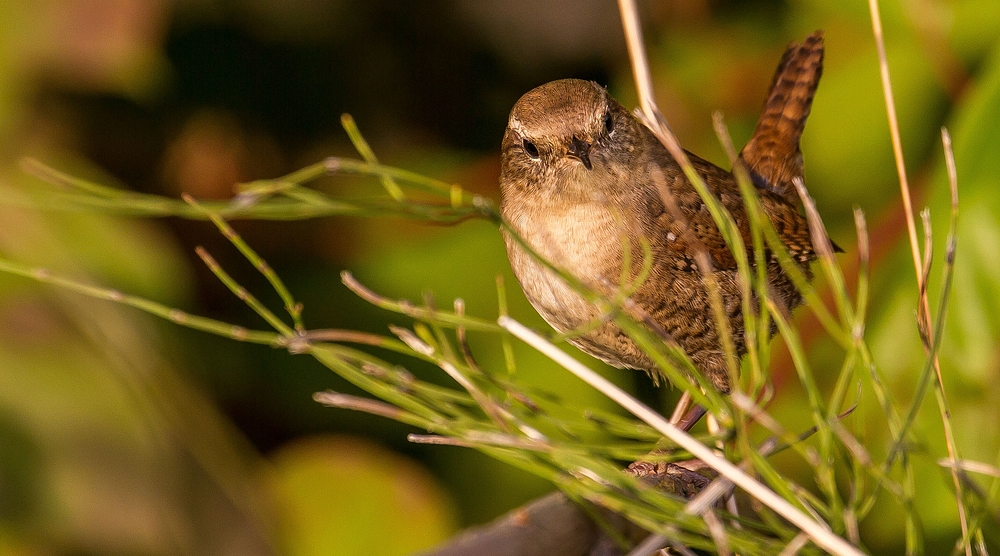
{"points": [[122, 434]]}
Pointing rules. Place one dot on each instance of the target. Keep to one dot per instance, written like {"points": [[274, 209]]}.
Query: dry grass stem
{"points": [[816, 530], [924, 304]]}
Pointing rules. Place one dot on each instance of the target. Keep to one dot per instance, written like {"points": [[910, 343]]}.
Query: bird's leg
{"points": [[693, 415], [685, 414]]}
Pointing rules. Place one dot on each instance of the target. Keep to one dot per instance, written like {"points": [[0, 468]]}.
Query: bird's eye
{"points": [[609, 122], [530, 148]]}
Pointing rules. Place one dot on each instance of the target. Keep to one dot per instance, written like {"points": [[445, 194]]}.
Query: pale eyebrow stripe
{"points": [[516, 125]]}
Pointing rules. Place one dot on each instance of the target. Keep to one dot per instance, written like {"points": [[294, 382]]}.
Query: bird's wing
{"points": [[690, 227]]}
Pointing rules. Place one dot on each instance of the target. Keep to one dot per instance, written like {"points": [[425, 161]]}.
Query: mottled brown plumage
{"points": [[581, 180]]}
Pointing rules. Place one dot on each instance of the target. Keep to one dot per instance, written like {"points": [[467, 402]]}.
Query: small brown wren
{"points": [[581, 183]]}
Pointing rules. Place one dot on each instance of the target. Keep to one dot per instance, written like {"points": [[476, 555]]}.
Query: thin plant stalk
{"points": [[924, 305], [819, 533]]}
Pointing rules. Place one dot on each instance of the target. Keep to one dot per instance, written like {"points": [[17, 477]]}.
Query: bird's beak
{"points": [[580, 150]]}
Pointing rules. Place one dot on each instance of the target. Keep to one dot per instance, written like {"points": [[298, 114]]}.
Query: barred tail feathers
{"points": [[772, 155]]}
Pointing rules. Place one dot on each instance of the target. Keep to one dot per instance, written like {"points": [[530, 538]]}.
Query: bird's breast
{"points": [[585, 240]]}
